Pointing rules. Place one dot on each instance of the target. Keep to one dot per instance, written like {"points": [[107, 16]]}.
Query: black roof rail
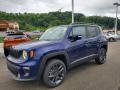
{"points": [[82, 23]]}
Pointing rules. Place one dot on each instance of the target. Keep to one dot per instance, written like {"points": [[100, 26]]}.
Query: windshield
{"points": [[54, 33]]}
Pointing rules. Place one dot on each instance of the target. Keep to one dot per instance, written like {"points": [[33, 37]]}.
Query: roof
{"points": [[82, 23]]}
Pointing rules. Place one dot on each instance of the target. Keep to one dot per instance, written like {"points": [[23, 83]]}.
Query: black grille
{"points": [[12, 69], [15, 53]]}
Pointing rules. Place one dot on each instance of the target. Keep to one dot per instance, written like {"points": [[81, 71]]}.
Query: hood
{"points": [[34, 45]]}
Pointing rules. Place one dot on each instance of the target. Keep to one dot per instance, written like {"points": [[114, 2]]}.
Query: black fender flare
{"points": [[50, 55]]}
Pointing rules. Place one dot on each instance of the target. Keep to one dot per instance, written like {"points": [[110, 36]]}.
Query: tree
{"points": [[32, 21]]}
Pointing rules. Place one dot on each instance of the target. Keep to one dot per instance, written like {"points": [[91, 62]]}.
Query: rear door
{"points": [[92, 41]]}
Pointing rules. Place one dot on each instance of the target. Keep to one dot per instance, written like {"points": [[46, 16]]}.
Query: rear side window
{"points": [[79, 30], [92, 31]]}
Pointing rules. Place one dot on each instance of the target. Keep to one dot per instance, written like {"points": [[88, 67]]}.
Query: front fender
{"points": [[46, 57]]}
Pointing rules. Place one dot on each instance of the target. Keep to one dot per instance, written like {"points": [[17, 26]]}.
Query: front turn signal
{"points": [[31, 54]]}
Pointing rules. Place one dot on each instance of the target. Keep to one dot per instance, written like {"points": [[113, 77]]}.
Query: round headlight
{"points": [[24, 55]]}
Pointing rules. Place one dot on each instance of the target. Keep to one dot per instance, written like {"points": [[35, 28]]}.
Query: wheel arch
{"points": [[105, 47], [62, 55]]}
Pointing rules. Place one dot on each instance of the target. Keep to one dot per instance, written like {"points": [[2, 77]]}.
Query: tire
{"points": [[112, 39], [6, 52], [101, 59], [57, 69]]}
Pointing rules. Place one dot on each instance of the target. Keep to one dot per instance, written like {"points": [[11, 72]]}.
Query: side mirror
{"points": [[79, 37]]}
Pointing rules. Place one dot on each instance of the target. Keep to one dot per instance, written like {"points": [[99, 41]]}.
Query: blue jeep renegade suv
{"points": [[58, 49]]}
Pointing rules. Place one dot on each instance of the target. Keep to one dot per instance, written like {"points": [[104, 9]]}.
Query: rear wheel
{"points": [[54, 73], [101, 59]]}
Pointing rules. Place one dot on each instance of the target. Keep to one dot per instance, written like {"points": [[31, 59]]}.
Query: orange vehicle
{"points": [[14, 39]]}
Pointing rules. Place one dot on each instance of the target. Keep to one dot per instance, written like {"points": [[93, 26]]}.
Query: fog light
{"points": [[27, 68], [26, 75], [26, 71]]}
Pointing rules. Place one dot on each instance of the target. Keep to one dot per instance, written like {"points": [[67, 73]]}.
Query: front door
{"points": [[77, 49]]}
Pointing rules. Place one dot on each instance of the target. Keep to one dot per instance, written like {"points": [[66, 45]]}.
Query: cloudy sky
{"points": [[87, 7]]}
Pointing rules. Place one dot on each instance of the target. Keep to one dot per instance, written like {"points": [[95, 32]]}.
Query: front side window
{"points": [[92, 32], [78, 31]]}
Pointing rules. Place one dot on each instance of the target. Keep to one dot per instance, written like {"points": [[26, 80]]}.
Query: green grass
{"points": [[1, 39], [35, 37]]}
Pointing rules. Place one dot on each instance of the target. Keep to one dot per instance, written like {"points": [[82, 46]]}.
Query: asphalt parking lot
{"points": [[87, 76]]}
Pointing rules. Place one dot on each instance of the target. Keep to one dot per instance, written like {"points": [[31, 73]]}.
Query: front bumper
{"points": [[25, 71]]}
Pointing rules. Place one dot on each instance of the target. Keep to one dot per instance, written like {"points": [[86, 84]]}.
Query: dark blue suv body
{"points": [[57, 50]]}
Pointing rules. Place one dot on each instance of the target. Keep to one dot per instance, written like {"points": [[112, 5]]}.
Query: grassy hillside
{"points": [[32, 21]]}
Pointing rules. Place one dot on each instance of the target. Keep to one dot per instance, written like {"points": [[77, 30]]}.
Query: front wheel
{"points": [[54, 73], [101, 59]]}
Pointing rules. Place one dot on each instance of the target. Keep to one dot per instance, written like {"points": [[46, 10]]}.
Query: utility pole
{"points": [[59, 10], [72, 11], [116, 20]]}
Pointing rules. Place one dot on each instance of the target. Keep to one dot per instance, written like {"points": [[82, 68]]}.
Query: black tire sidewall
{"points": [[48, 66], [112, 39], [6, 52], [98, 60]]}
